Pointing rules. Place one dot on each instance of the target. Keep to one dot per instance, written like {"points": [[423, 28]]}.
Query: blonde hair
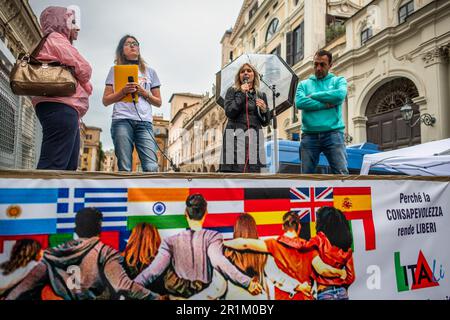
{"points": [[142, 246], [237, 78]]}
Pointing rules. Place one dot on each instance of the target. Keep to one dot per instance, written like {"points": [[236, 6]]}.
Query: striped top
{"points": [[193, 255]]}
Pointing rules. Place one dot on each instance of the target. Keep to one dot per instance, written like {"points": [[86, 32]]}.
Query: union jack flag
{"points": [[306, 201]]}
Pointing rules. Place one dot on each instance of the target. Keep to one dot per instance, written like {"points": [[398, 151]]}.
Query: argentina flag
{"points": [[29, 211], [112, 202]]}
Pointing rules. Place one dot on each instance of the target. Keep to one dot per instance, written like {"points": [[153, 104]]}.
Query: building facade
{"points": [[90, 149], [109, 163], [392, 52], [203, 137], [397, 52], [161, 132], [20, 133], [183, 106]]}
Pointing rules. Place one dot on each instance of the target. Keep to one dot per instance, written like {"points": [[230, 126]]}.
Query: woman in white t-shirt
{"points": [[132, 124]]}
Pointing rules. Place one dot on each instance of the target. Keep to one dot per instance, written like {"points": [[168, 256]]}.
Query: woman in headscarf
{"points": [[60, 116]]}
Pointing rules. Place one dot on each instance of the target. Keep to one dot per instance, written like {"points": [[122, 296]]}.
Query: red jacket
{"points": [[335, 257], [329, 254], [295, 263]]}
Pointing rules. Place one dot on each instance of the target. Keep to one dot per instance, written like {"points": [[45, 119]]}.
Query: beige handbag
{"points": [[31, 77]]}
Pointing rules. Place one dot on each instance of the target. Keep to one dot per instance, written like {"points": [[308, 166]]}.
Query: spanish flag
{"points": [[356, 204]]}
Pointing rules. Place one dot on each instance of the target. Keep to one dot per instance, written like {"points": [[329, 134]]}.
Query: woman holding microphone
{"points": [[132, 124], [247, 112]]}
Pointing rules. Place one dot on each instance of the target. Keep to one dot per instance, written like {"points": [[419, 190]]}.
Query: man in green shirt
{"points": [[320, 98]]}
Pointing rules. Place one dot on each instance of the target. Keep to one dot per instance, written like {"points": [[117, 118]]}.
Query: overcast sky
{"points": [[180, 39]]}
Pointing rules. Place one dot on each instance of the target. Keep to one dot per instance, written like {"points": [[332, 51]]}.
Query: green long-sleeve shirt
{"points": [[321, 103]]}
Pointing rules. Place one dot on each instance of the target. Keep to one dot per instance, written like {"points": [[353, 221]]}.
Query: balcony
{"points": [[334, 31]]}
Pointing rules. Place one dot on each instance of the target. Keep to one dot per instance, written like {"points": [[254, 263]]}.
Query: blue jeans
{"points": [[333, 293], [127, 133], [331, 143]]}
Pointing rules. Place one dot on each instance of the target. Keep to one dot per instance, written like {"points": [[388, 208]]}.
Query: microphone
{"points": [[131, 79], [246, 82]]}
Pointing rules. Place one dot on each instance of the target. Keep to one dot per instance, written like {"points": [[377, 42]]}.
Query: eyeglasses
{"points": [[131, 44]]}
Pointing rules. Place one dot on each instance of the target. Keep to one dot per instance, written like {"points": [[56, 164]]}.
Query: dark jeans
{"points": [[60, 148], [331, 143], [333, 293]]}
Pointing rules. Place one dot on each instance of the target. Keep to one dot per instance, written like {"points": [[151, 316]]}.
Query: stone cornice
{"points": [[437, 55], [22, 31], [340, 5]]}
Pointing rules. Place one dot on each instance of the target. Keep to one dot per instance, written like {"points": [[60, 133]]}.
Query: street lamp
{"points": [[407, 114]]}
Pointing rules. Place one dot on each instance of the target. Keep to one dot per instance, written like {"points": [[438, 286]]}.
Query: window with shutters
{"points": [[298, 43], [277, 50], [295, 41]]}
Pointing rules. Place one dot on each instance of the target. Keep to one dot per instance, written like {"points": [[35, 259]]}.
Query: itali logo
{"points": [[417, 276]]}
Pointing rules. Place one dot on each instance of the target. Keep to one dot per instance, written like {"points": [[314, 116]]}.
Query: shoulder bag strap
{"points": [[38, 47]]}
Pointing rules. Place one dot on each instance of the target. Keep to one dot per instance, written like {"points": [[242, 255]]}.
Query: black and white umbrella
{"points": [[274, 71], [278, 82]]}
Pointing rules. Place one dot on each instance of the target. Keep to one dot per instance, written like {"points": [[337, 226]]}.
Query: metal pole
{"points": [[275, 134]]}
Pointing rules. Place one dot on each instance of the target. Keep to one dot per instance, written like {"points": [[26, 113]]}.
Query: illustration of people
{"points": [[296, 263], [83, 268], [190, 257]]}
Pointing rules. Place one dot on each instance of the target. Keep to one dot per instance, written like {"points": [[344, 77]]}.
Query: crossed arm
{"points": [[332, 97], [321, 100]]}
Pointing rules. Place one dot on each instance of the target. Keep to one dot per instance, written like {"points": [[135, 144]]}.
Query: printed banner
{"points": [[400, 228]]}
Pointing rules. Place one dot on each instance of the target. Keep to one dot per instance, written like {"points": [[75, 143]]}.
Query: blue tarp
{"points": [[289, 156]]}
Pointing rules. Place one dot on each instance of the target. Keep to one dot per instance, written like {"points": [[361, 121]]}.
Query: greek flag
{"points": [[112, 202]]}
